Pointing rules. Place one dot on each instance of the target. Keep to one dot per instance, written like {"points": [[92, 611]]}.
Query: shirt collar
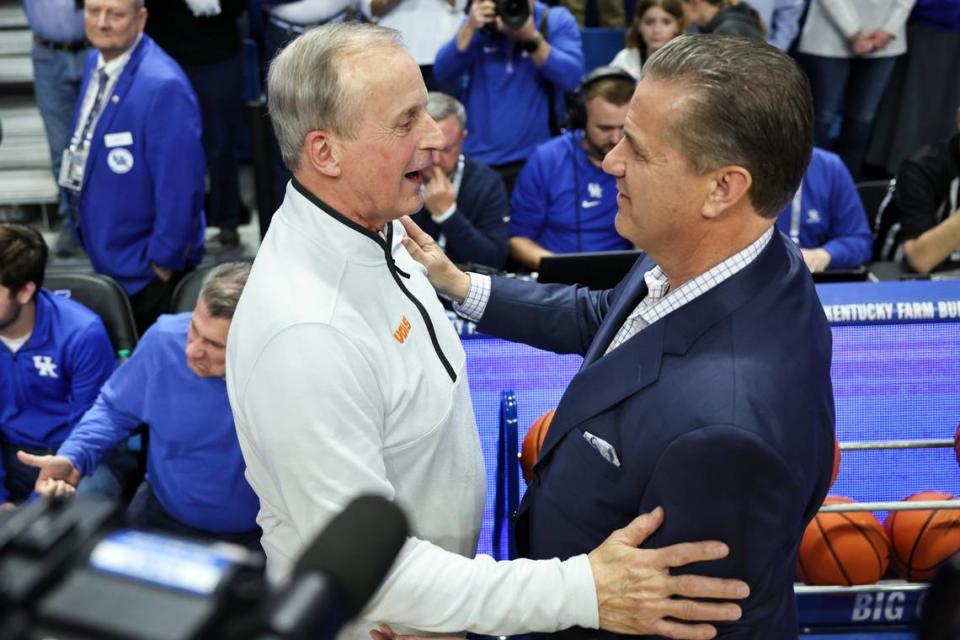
{"points": [[115, 66]]}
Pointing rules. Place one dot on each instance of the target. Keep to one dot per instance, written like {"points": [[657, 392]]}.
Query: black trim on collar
{"points": [[336, 215]]}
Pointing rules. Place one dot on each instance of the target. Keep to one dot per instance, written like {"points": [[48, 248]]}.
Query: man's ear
{"points": [[320, 151], [26, 292], [728, 187]]}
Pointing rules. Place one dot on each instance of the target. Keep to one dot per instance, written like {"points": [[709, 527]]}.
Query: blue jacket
{"points": [[477, 230], [54, 378], [142, 198], [829, 213], [712, 413], [508, 98], [563, 202], [194, 464]]}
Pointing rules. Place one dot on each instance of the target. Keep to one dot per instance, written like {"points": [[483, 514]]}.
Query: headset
{"points": [[576, 100]]}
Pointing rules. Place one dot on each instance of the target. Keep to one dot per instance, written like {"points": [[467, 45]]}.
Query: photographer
{"points": [[529, 54]]}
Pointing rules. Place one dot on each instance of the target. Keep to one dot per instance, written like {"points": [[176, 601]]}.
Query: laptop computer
{"points": [[593, 269]]}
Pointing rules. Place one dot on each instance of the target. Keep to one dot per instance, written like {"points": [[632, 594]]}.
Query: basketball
{"points": [[922, 540], [836, 461], [843, 548], [532, 443]]}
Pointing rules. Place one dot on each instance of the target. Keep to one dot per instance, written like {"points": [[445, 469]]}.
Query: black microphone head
{"points": [[357, 549]]}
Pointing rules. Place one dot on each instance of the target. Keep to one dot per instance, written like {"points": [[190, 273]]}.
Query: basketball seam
{"points": [[836, 559], [916, 543], [863, 532], [953, 524]]}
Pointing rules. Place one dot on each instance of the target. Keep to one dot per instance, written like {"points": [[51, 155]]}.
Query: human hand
{"points": [[525, 32], [162, 272], [861, 44], [880, 38], [384, 632], [482, 13], [7, 506], [817, 259], [438, 193], [635, 590], [442, 273], [58, 476]]}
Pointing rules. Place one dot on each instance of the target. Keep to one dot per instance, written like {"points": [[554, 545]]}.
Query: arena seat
{"points": [[105, 297], [872, 194], [188, 290], [600, 45]]}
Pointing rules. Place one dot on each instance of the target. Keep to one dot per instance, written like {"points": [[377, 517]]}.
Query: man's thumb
{"points": [[31, 460], [641, 528]]}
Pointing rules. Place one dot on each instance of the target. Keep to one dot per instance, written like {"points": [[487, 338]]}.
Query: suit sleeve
{"points": [[564, 66], [115, 414], [742, 493], [428, 588], [849, 238], [177, 167], [91, 363], [555, 317]]}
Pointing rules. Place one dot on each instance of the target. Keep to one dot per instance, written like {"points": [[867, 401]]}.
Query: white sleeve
{"points": [[897, 16], [316, 413], [843, 15]]}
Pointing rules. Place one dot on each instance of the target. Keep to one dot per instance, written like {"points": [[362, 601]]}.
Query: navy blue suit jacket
{"points": [[721, 413]]}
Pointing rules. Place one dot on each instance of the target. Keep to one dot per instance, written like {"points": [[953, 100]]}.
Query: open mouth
{"points": [[414, 177]]}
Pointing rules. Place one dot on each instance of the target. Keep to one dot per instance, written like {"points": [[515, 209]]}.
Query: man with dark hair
{"points": [[173, 383], [563, 201], [515, 74], [55, 356], [134, 169], [690, 396], [465, 205]]}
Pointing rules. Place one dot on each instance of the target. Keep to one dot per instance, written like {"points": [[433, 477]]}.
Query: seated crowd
{"points": [[147, 157]]}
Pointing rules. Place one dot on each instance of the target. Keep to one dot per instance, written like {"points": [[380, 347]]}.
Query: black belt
{"points": [[72, 47]]}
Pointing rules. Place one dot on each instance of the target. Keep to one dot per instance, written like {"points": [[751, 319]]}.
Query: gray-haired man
{"points": [[346, 377], [194, 484], [465, 206]]}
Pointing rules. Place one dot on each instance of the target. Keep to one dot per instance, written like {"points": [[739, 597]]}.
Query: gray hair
{"points": [[222, 287], [306, 85], [441, 105], [750, 106]]}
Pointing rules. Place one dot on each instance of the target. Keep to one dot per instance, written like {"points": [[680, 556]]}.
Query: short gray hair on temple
{"points": [[440, 106], [306, 86], [222, 287]]}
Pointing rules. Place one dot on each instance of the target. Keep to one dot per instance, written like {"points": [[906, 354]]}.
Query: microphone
{"points": [[340, 571]]}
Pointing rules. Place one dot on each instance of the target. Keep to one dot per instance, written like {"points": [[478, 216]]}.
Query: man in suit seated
{"points": [[690, 396], [173, 383], [465, 206]]}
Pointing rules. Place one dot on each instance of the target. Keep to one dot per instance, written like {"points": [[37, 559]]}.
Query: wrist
{"points": [[531, 45]]}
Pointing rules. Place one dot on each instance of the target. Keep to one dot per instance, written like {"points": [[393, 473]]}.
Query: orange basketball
{"points": [[532, 443], [922, 540], [844, 549], [836, 461]]}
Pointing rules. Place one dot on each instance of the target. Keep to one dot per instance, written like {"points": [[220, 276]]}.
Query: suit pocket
{"points": [[590, 453]]}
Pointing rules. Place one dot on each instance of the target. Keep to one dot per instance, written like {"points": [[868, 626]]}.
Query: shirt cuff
{"points": [[581, 591], [443, 217], [478, 295]]}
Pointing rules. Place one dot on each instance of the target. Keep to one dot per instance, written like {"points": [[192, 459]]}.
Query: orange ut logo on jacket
{"points": [[400, 335]]}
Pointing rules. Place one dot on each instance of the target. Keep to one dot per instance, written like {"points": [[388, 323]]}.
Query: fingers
{"points": [[701, 611], [639, 529], [31, 460], [685, 553], [670, 629], [62, 490], [415, 233], [690, 586]]}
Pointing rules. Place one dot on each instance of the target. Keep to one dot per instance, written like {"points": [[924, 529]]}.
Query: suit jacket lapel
{"points": [[634, 290]]}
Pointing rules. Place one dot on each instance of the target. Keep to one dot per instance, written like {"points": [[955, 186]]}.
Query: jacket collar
{"points": [[43, 320], [605, 380]]}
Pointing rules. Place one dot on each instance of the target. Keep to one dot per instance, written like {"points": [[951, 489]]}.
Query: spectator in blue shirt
{"points": [[54, 357], [826, 216], [515, 75], [173, 383], [564, 202]]}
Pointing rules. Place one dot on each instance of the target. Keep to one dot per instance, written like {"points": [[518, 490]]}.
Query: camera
{"points": [[513, 12]]}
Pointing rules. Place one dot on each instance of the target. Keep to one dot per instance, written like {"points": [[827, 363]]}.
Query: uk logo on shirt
{"points": [[46, 367], [595, 190]]}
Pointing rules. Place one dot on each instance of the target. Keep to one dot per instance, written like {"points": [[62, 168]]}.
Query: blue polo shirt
{"points": [[828, 213], [54, 377], [194, 464], [564, 202]]}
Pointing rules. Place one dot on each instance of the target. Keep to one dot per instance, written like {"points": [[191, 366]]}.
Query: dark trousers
{"points": [[509, 173], [145, 512], [219, 89], [21, 479], [274, 40], [150, 302]]}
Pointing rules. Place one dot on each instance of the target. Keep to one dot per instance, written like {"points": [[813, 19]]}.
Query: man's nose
{"points": [[432, 136]]}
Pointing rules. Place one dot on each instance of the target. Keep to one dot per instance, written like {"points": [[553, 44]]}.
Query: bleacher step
{"points": [[12, 16], [17, 42], [27, 186]]}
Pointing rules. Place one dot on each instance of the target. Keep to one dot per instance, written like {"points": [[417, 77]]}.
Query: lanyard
{"points": [[86, 134]]}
